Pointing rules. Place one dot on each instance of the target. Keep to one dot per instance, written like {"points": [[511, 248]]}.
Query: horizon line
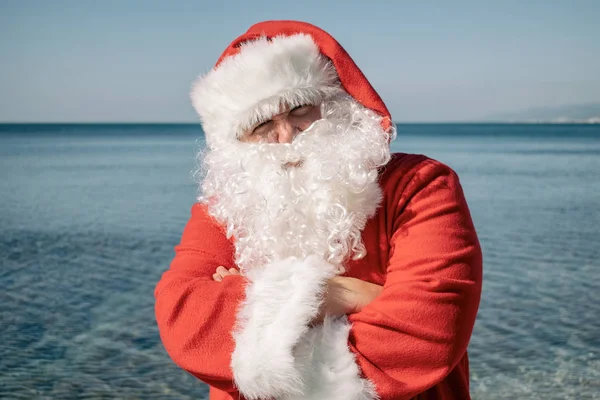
{"points": [[480, 122]]}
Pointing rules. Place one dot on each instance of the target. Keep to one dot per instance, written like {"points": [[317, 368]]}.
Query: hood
{"points": [[277, 62]]}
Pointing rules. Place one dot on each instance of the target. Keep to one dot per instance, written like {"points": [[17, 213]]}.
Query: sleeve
{"points": [[195, 314], [413, 335]]}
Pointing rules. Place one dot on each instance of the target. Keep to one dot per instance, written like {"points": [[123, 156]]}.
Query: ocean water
{"points": [[89, 215]]}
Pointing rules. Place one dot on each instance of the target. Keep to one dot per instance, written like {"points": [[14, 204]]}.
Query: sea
{"points": [[89, 216]]}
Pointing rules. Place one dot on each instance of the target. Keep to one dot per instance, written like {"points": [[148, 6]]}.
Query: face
{"points": [[283, 127]]}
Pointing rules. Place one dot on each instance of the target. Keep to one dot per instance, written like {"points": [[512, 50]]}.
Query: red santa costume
{"points": [[345, 206]]}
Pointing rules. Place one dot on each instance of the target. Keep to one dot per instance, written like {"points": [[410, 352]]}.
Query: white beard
{"points": [[319, 207]]}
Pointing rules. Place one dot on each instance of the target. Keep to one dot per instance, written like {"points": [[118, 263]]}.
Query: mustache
{"points": [[294, 154]]}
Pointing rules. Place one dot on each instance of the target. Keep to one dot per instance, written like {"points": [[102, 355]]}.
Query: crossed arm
{"points": [[343, 296], [406, 339]]}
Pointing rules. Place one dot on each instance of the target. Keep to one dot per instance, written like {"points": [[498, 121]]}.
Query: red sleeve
{"points": [[195, 314], [412, 336]]}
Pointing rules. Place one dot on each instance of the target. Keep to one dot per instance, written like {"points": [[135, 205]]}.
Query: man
{"points": [[359, 271]]}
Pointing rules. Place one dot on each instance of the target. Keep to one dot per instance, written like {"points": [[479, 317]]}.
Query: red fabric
{"points": [[351, 77], [410, 342]]}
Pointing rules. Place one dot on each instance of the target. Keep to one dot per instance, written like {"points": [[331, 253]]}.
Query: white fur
{"points": [[328, 366], [250, 86], [277, 355], [281, 300]]}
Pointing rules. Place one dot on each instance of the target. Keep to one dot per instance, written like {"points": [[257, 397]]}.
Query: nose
{"points": [[286, 131]]}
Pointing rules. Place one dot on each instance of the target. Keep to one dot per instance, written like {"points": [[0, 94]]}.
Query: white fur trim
{"points": [[281, 300], [329, 366], [277, 355], [249, 87]]}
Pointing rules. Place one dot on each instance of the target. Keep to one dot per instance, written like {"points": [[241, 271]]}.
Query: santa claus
{"points": [[316, 265]]}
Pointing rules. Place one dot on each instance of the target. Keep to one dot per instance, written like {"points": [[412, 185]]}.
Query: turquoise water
{"points": [[89, 215]]}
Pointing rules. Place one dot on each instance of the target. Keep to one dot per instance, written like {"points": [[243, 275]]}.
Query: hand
{"points": [[222, 272], [346, 295]]}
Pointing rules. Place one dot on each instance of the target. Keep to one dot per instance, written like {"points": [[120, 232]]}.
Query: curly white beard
{"points": [[311, 197]]}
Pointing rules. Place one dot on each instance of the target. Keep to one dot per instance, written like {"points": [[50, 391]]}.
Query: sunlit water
{"points": [[89, 216]]}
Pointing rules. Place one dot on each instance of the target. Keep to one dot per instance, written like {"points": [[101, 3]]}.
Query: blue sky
{"points": [[101, 61]]}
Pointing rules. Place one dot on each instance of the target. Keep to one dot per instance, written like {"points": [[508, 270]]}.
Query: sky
{"points": [[431, 61]]}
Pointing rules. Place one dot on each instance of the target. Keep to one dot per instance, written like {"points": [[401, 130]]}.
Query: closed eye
{"points": [[260, 129], [301, 110], [261, 124]]}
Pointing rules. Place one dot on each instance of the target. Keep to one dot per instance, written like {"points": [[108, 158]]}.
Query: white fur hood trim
{"points": [[277, 354], [249, 87]]}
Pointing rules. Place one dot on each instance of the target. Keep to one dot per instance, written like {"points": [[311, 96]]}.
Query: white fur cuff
{"points": [[329, 367], [281, 300]]}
